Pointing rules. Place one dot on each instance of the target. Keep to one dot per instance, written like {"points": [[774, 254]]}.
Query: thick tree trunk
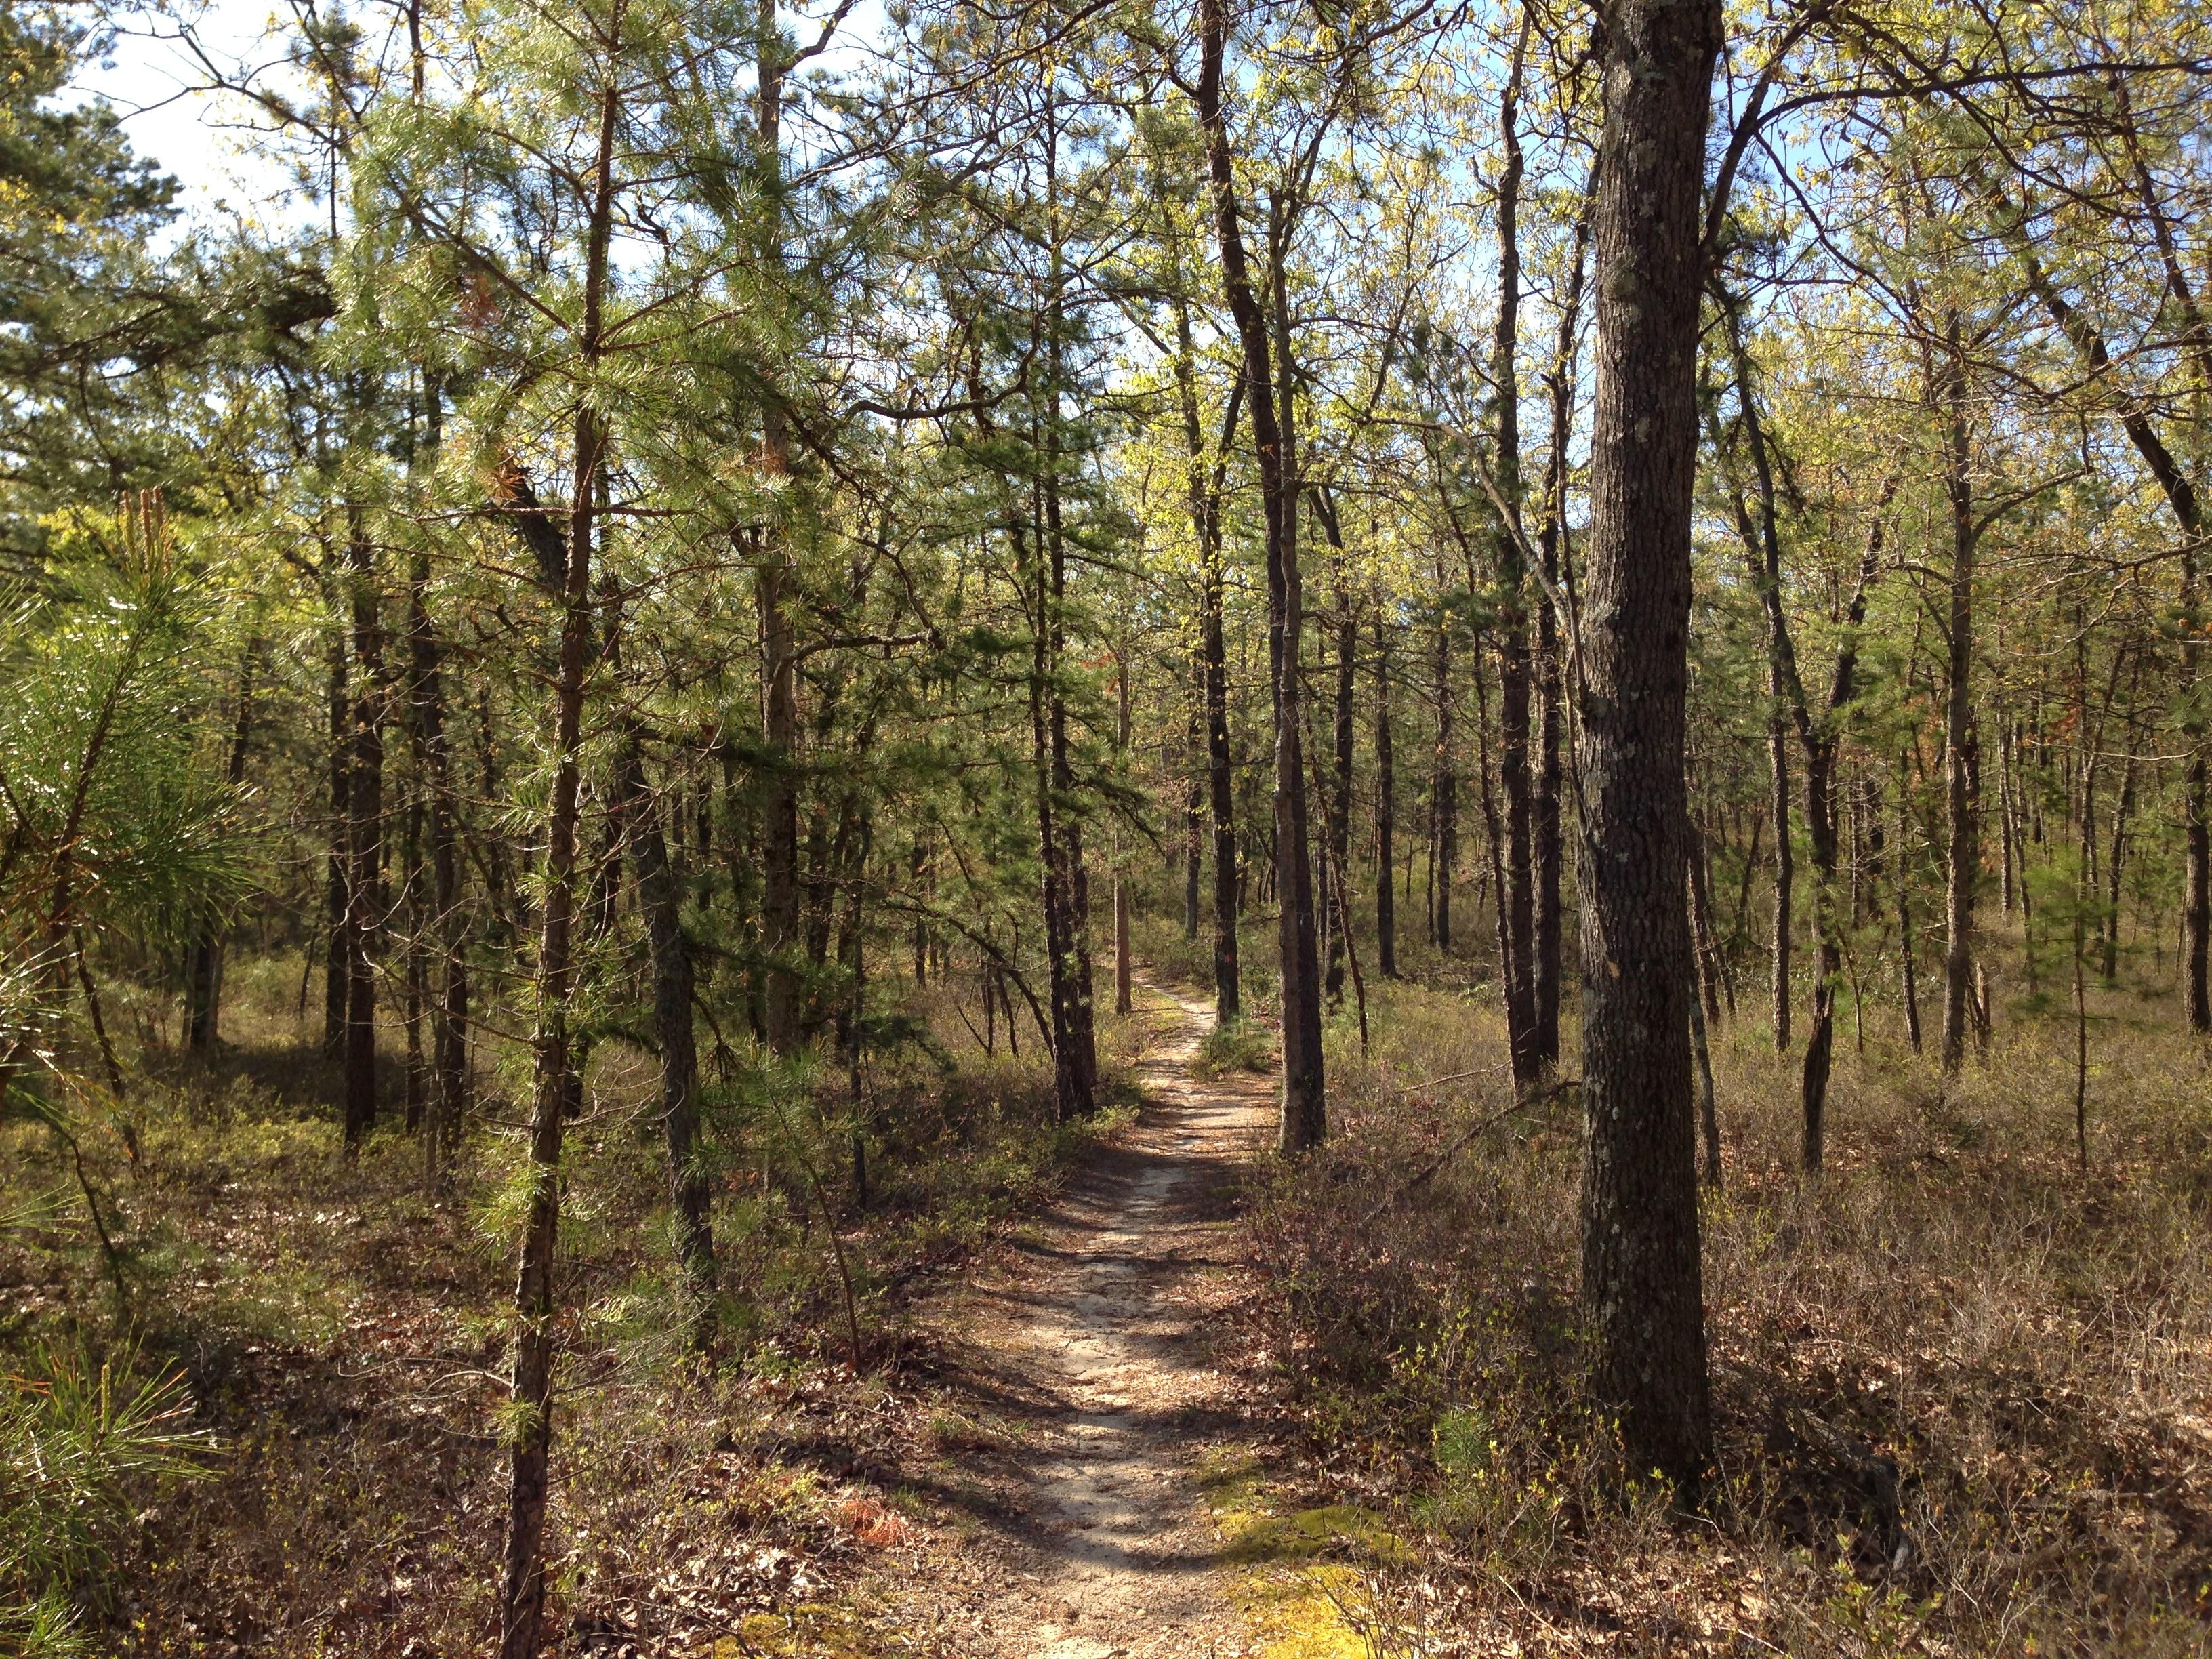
{"points": [[1304, 1112], [1641, 1275]]}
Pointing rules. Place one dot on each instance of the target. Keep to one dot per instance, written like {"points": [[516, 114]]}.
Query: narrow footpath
{"points": [[1082, 1373]]}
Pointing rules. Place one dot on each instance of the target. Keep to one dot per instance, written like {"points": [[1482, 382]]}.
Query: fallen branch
{"points": [[1428, 1170]]}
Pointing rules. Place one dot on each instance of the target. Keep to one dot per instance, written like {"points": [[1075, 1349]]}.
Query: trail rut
{"points": [[1086, 1363]]}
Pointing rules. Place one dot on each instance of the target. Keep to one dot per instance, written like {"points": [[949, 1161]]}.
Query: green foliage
{"points": [[1242, 1045], [80, 1443]]}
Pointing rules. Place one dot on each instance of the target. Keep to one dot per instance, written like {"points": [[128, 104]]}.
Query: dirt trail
{"points": [[1084, 1363]]}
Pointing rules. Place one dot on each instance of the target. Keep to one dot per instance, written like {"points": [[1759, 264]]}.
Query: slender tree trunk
{"points": [[1123, 999], [338, 907], [522, 1593], [416, 971], [1194, 820], [1905, 950], [1641, 1280], [1336, 795], [1965, 851], [1708, 1110], [204, 963], [661, 903], [1386, 806], [1220, 778], [1517, 896], [364, 833], [1443, 800], [1304, 1112], [1785, 872], [1075, 1053], [774, 574], [1551, 674], [1701, 931], [2109, 952]]}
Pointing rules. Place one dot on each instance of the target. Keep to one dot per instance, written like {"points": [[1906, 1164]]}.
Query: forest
{"points": [[1055, 828]]}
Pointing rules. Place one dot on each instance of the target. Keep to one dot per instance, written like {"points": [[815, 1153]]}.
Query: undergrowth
{"points": [[322, 1342], [1958, 1383]]}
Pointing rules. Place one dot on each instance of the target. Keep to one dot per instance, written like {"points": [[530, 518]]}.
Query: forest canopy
{"points": [[731, 648]]}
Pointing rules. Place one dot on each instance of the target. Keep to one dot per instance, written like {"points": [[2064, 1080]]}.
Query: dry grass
{"points": [[2029, 1347], [343, 1336]]}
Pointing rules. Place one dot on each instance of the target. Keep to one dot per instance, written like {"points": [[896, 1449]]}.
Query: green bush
{"points": [[1242, 1045], [75, 1442]]}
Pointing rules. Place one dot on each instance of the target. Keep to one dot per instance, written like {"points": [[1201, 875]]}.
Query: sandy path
{"points": [[1089, 1353]]}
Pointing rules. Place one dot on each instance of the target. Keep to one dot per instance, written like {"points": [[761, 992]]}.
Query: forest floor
{"points": [[1085, 1362]]}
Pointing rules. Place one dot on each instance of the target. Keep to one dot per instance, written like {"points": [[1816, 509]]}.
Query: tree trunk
{"points": [[1443, 800], [1336, 797], [1304, 1112], [1964, 827], [1386, 806], [364, 833], [1641, 1275], [1701, 929], [522, 1591], [1206, 525], [204, 963], [1194, 820], [1123, 975], [1906, 958], [1516, 897], [1785, 872], [1550, 673], [336, 907], [660, 902]]}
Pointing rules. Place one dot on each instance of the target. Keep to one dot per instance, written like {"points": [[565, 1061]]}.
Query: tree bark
{"points": [[364, 833], [1304, 1112], [1443, 799], [1549, 843], [337, 908], [1386, 806], [774, 574], [1122, 975], [1959, 771], [1641, 1272], [1206, 525], [1336, 799], [1516, 897]]}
